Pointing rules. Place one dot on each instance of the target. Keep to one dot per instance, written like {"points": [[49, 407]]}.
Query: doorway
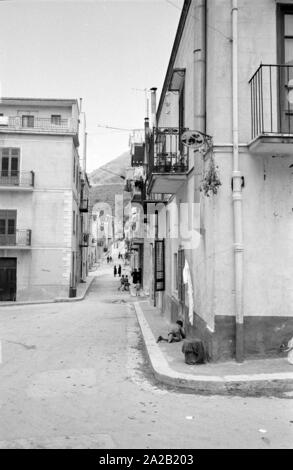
{"points": [[285, 70], [7, 279]]}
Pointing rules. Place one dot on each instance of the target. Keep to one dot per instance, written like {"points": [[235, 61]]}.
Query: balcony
{"points": [[21, 239], [84, 205], [272, 110], [169, 161], [17, 180], [37, 125]]}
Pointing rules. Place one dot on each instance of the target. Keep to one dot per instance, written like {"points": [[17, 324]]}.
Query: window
{"points": [[56, 119], [7, 227], [2, 226], [285, 34], [9, 162], [28, 121], [285, 73], [73, 168], [11, 226]]}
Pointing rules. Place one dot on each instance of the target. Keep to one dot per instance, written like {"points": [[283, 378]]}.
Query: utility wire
{"points": [[113, 173], [119, 128], [195, 17]]}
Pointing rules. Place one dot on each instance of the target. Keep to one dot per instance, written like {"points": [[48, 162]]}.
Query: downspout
{"points": [[154, 125], [199, 65], [146, 146], [155, 254], [237, 194]]}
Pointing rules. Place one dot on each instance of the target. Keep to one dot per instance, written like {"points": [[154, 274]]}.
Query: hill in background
{"points": [[105, 185], [117, 165]]}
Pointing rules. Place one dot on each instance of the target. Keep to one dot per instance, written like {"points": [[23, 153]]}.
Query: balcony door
{"points": [[285, 72], [7, 228], [9, 166]]}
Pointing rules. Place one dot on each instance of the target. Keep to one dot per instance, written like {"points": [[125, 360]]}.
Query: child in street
{"points": [[176, 333]]}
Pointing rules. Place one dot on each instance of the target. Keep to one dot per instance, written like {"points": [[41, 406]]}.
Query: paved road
{"points": [[74, 375]]}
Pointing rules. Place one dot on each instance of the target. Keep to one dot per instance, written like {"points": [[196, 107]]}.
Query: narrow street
{"points": [[74, 375]]}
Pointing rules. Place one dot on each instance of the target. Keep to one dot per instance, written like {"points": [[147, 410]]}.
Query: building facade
{"points": [[40, 199], [221, 153]]}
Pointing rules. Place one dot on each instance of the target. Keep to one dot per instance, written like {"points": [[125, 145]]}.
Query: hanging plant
{"points": [[211, 181]]}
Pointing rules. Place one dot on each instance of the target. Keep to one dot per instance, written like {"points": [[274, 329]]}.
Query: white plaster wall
{"points": [[267, 204], [44, 270]]}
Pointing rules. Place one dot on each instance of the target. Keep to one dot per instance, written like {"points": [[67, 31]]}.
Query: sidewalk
{"points": [[262, 376], [81, 291]]}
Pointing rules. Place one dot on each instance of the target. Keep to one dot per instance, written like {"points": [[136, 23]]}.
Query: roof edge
{"points": [[177, 40]]}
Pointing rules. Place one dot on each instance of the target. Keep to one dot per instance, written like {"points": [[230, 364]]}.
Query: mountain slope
{"points": [[105, 185], [117, 165]]}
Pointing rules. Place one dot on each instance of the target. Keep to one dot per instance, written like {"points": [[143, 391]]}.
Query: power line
{"points": [[119, 128], [113, 173], [195, 17]]}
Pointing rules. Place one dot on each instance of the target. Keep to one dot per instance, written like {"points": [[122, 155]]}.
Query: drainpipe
{"points": [[199, 64], [146, 146], [155, 257], [154, 125], [237, 194]]}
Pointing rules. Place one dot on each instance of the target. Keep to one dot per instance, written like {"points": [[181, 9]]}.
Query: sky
{"points": [[106, 52]]}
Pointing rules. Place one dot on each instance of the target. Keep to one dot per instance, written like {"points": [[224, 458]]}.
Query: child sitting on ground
{"points": [[176, 333]]}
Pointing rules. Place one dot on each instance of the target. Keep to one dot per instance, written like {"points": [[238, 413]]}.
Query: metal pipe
{"points": [[154, 106], [146, 147], [237, 194], [155, 263], [199, 64]]}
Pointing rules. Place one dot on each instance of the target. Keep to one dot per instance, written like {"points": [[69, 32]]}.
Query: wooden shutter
{"points": [[159, 265]]}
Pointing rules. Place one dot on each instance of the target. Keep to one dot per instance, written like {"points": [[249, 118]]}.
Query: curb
{"points": [[57, 300], [223, 385]]}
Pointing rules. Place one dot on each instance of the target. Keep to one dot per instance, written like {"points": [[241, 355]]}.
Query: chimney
{"points": [[146, 146], [154, 107]]}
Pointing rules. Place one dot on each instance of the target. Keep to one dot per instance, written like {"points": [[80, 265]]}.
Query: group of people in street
{"points": [[124, 281], [117, 271], [109, 259]]}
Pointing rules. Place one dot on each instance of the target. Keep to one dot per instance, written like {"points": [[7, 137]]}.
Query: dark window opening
{"points": [[28, 121], [56, 119]]}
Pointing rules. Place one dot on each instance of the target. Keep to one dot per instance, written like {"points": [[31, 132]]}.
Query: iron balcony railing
{"points": [[37, 124], [17, 178], [20, 238], [271, 89], [168, 154]]}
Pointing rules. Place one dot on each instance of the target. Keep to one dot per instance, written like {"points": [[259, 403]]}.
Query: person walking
{"points": [[134, 275], [119, 270], [115, 271]]}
